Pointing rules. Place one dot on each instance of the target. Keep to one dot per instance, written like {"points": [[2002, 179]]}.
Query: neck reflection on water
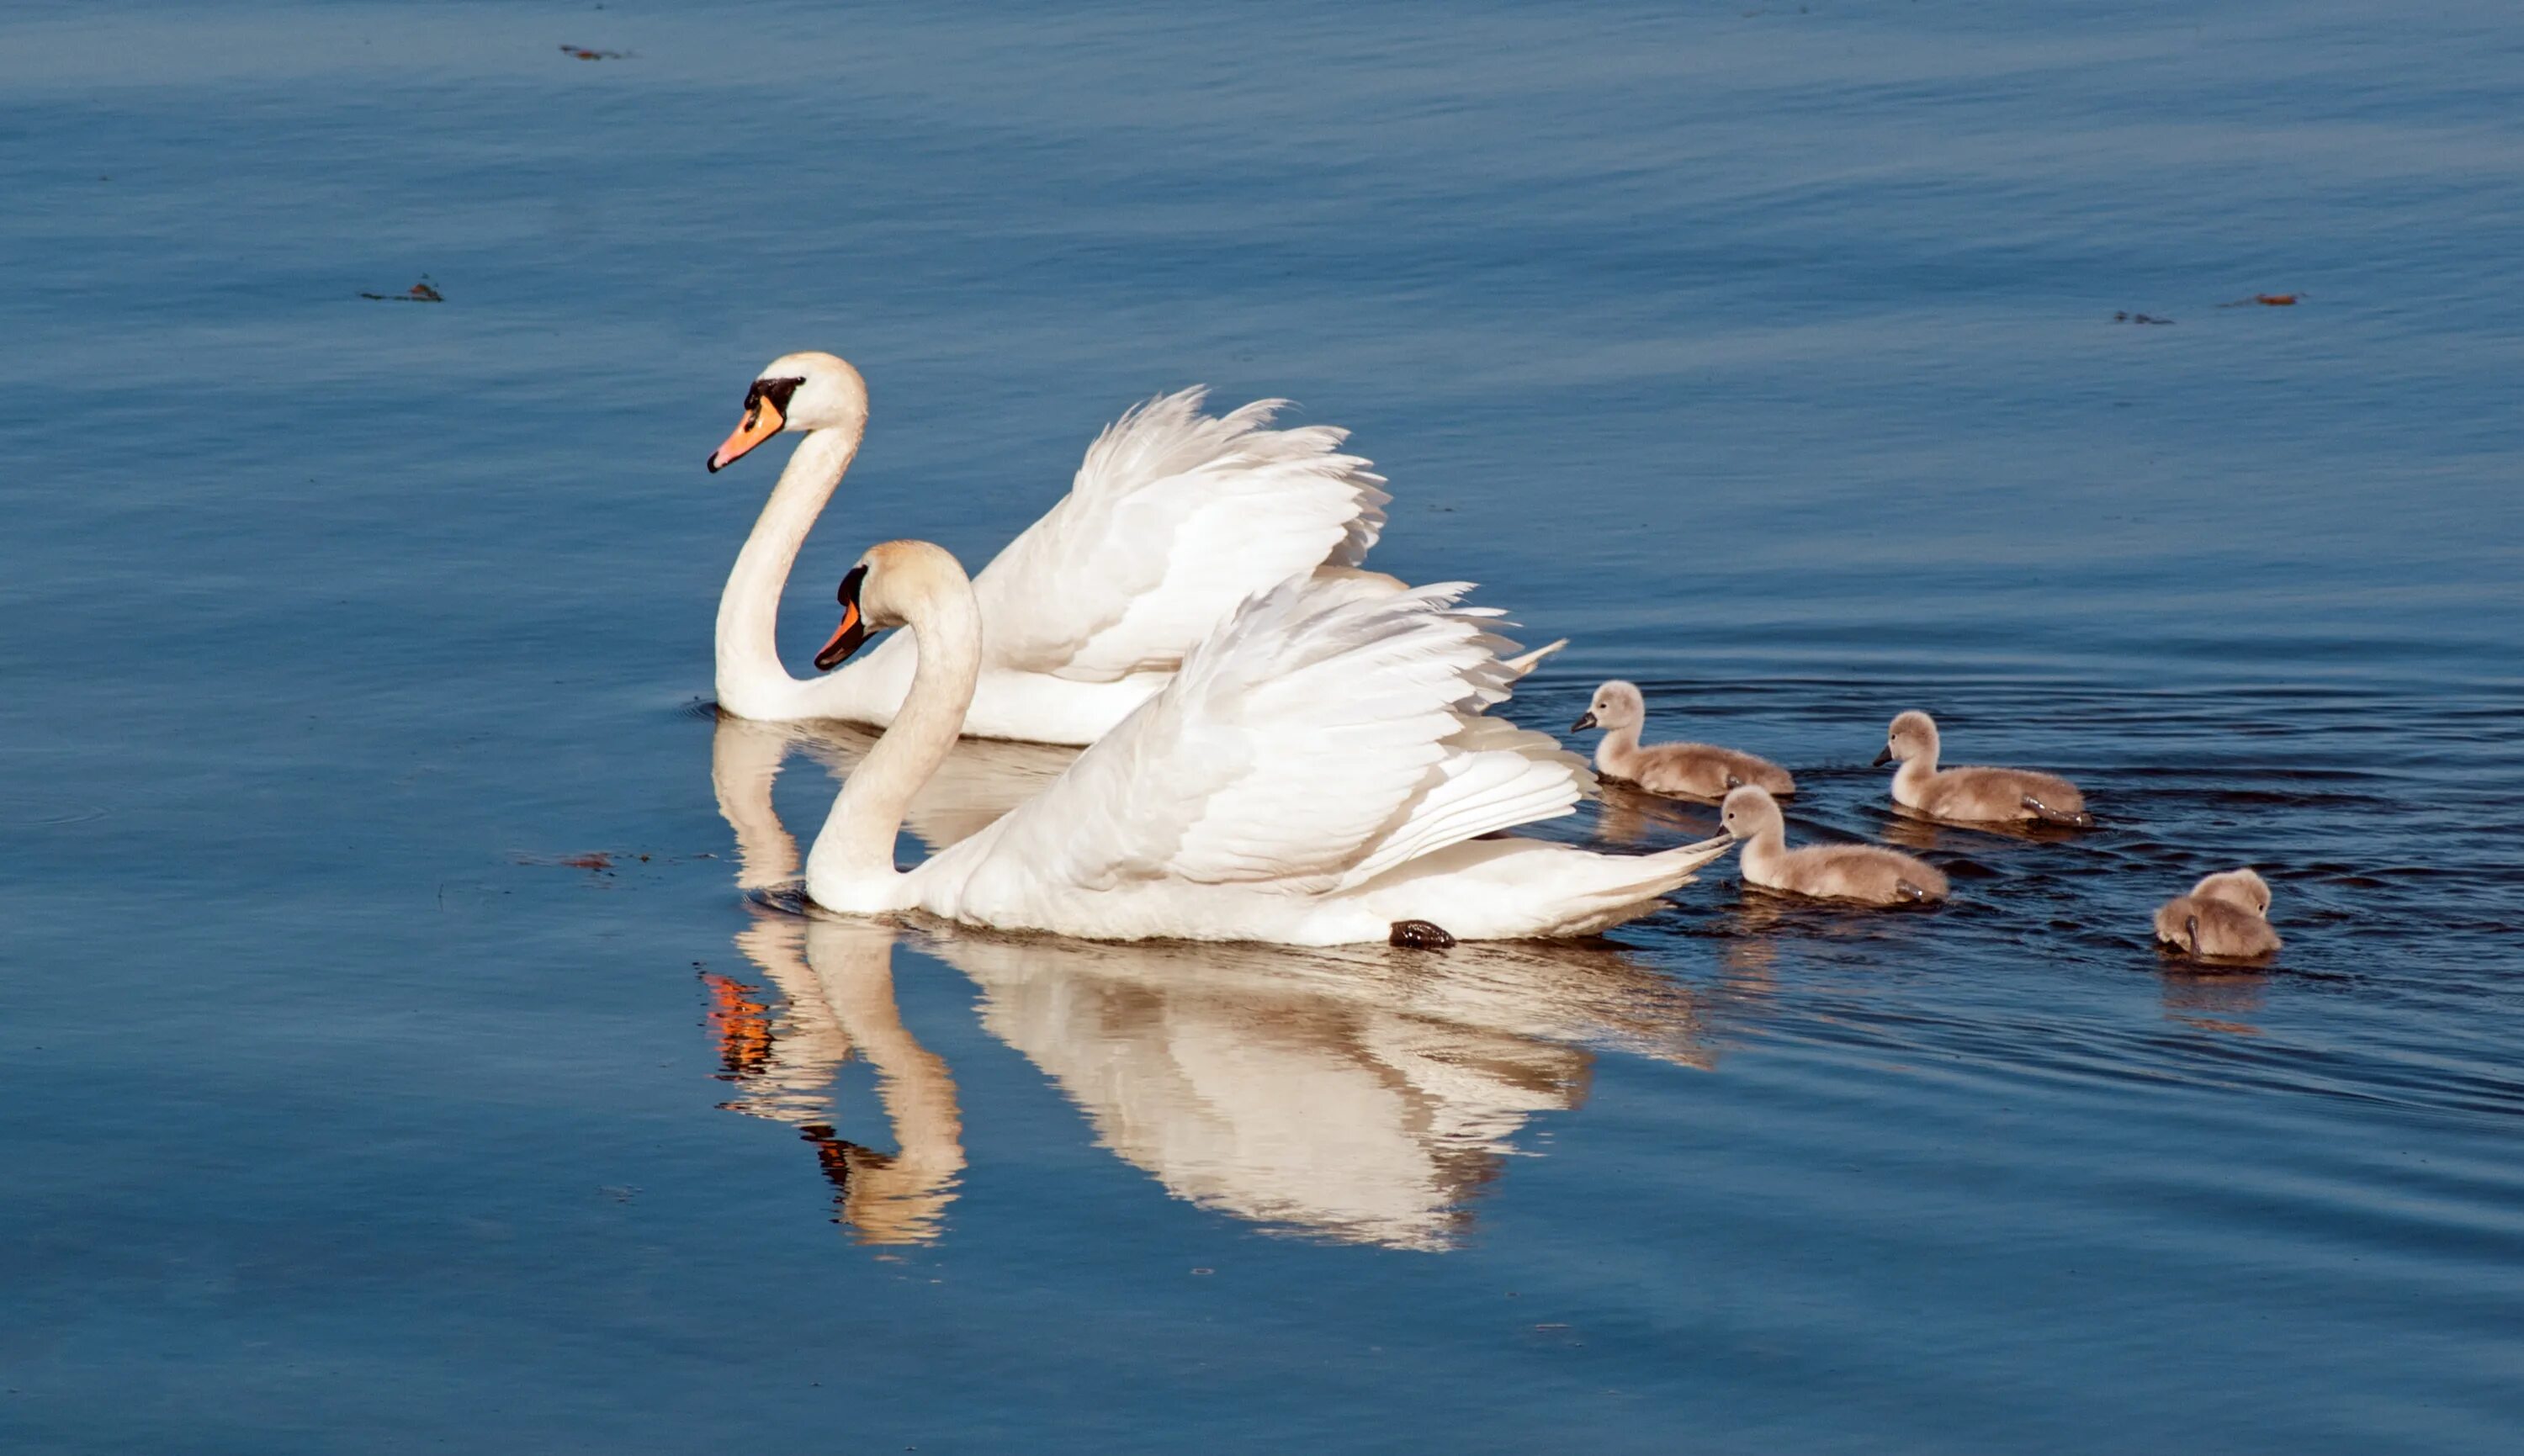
{"points": [[1362, 1095]]}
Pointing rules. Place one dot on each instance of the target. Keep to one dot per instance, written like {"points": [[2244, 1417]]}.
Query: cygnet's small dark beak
{"points": [[1582, 724], [1884, 757]]}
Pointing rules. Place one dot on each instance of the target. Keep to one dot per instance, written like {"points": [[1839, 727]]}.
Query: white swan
{"points": [[1174, 519], [1319, 773]]}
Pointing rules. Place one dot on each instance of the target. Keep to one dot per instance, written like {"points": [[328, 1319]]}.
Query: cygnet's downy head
{"points": [[1747, 811], [2237, 886], [874, 593], [808, 391], [1913, 735], [1617, 704]]}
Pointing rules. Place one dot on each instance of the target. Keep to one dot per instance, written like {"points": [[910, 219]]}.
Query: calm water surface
{"points": [[1768, 351]]}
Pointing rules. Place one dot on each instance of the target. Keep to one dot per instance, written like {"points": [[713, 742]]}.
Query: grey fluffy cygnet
{"points": [[1969, 794], [1866, 873], [1693, 770], [2227, 915]]}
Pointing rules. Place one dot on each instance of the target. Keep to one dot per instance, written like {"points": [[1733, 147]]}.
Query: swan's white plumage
{"points": [[1319, 770], [1172, 520], [1175, 517], [1319, 738]]}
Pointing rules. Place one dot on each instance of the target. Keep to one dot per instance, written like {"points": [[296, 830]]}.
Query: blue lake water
{"points": [[1767, 350]]}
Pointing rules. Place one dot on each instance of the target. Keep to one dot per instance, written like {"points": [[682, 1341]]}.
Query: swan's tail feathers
{"points": [[1684, 860], [1624, 887], [2073, 818], [1524, 663]]}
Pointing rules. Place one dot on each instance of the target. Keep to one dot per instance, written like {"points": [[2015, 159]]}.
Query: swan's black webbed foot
{"points": [[2073, 818], [1419, 935], [1909, 893], [2191, 924]]}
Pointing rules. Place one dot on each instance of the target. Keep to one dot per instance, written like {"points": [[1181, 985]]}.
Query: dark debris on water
{"points": [[422, 292], [589, 53]]}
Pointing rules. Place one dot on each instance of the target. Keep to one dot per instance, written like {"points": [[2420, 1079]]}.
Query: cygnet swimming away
{"points": [[1867, 873], [2227, 915], [1693, 770], [1969, 794]]}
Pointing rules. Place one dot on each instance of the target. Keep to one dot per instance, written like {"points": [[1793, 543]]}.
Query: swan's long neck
{"points": [[745, 760], [751, 683], [1764, 851], [1910, 780], [852, 865], [1617, 753]]}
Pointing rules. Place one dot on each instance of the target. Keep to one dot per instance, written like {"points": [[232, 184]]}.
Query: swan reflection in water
{"points": [[1361, 1093], [835, 985]]}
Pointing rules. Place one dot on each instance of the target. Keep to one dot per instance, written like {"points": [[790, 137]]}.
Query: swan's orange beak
{"points": [[763, 420], [852, 632]]}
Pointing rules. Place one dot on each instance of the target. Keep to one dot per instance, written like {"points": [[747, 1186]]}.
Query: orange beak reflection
{"points": [[763, 420]]}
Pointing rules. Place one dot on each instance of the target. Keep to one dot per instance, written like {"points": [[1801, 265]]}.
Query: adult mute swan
{"points": [[1174, 519], [1319, 773]]}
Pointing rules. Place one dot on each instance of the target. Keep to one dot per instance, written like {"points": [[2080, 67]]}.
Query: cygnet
{"points": [[2227, 915], [1692, 770], [1969, 793], [1867, 873]]}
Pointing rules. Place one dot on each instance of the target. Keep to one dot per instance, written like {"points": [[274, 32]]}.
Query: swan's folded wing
{"points": [[1173, 520], [1320, 737]]}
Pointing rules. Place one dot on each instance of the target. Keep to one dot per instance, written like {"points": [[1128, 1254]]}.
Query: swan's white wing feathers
{"points": [[1174, 519], [1495, 775], [1322, 735]]}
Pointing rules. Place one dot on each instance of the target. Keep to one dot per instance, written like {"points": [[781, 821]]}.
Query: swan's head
{"points": [[1617, 704], [807, 391], [885, 588], [1913, 735], [2238, 886], [1747, 811]]}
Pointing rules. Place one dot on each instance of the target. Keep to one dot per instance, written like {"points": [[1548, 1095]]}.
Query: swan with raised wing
{"points": [[1174, 519], [1320, 772]]}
